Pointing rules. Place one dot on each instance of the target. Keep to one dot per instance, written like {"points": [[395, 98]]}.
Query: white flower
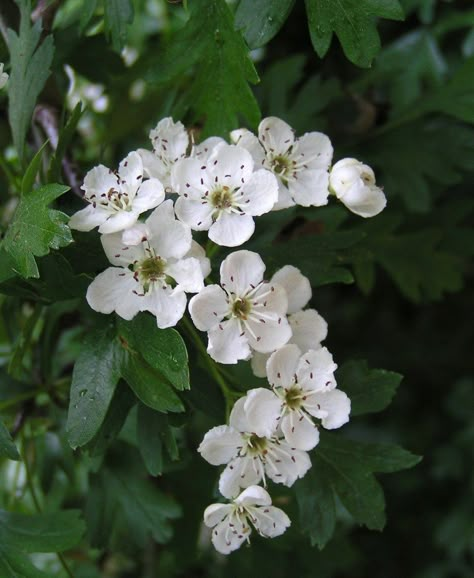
{"points": [[303, 387], [309, 329], [244, 313], [233, 522], [222, 194], [203, 150], [3, 76], [353, 183], [116, 199], [301, 164], [251, 458], [151, 275], [170, 142]]}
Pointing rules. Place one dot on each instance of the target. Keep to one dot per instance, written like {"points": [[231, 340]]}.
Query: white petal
{"points": [[149, 195], [204, 149], [230, 165], [118, 222], [271, 521], [88, 218], [239, 473], [209, 307], [260, 193], [271, 298], [269, 336], [316, 150], [285, 200], [153, 167], [296, 285], [299, 432], [332, 407], [169, 237], [244, 138], [215, 513], [262, 408], [275, 135], [231, 229], [254, 496], [131, 174], [364, 201], [293, 464], [225, 540], [259, 363], [170, 139], [187, 273], [113, 290], [281, 366], [309, 329], [241, 270], [120, 254], [316, 370], [199, 253], [238, 417], [166, 304], [196, 214], [100, 180], [186, 177], [310, 188], [226, 344], [220, 445], [134, 236]]}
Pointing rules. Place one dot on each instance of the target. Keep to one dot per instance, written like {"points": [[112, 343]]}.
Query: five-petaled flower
{"points": [[244, 313], [232, 523]]}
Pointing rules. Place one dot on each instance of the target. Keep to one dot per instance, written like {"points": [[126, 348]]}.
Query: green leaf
{"points": [[355, 24], [260, 21], [219, 93], [35, 229], [65, 137], [94, 379], [370, 390], [345, 469], [163, 349], [32, 170], [118, 16], [14, 564], [150, 432], [30, 65], [148, 384], [7, 447]]}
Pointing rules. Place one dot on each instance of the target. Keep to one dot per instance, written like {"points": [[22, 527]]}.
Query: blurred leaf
{"points": [[30, 63], [65, 137], [7, 447], [149, 435], [353, 22], [32, 170], [35, 229], [370, 390], [118, 16], [259, 22], [219, 92]]}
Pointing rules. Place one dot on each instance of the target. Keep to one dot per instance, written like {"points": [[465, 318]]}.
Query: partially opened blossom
{"points": [[232, 523], [301, 164], [304, 387], [3, 76], [116, 199], [353, 183], [222, 194], [170, 143], [252, 458], [244, 313], [153, 274], [308, 328]]}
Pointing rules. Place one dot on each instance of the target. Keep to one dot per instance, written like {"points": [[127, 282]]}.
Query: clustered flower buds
{"points": [[221, 188]]}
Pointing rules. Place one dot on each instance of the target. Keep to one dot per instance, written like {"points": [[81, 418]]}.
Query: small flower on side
{"points": [[151, 273], [116, 199], [244, 313], [222, 194], [300, 164], [233, 522], [3, 76], [251, 458], [170, 142], [304, 386], [353, 183], [308, 328]]}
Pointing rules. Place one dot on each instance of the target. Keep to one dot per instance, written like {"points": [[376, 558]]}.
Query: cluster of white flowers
{"points": [[220, 188]]}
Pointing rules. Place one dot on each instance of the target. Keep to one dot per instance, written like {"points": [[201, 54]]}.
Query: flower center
{"points": [[256, 445], [241, 308], [118, 201], [150, 270], [281, 165], [222, 198], [293, 397]]}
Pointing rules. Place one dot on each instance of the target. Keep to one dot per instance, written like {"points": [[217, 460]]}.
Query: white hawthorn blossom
{"points": [[353, 183], [170, 142], [301, 164], [222, 194], [3, 76], [304, 387], [233, 522], [151, 273], [116, 199], [251, 458], [244, 313], [308, 328]]}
